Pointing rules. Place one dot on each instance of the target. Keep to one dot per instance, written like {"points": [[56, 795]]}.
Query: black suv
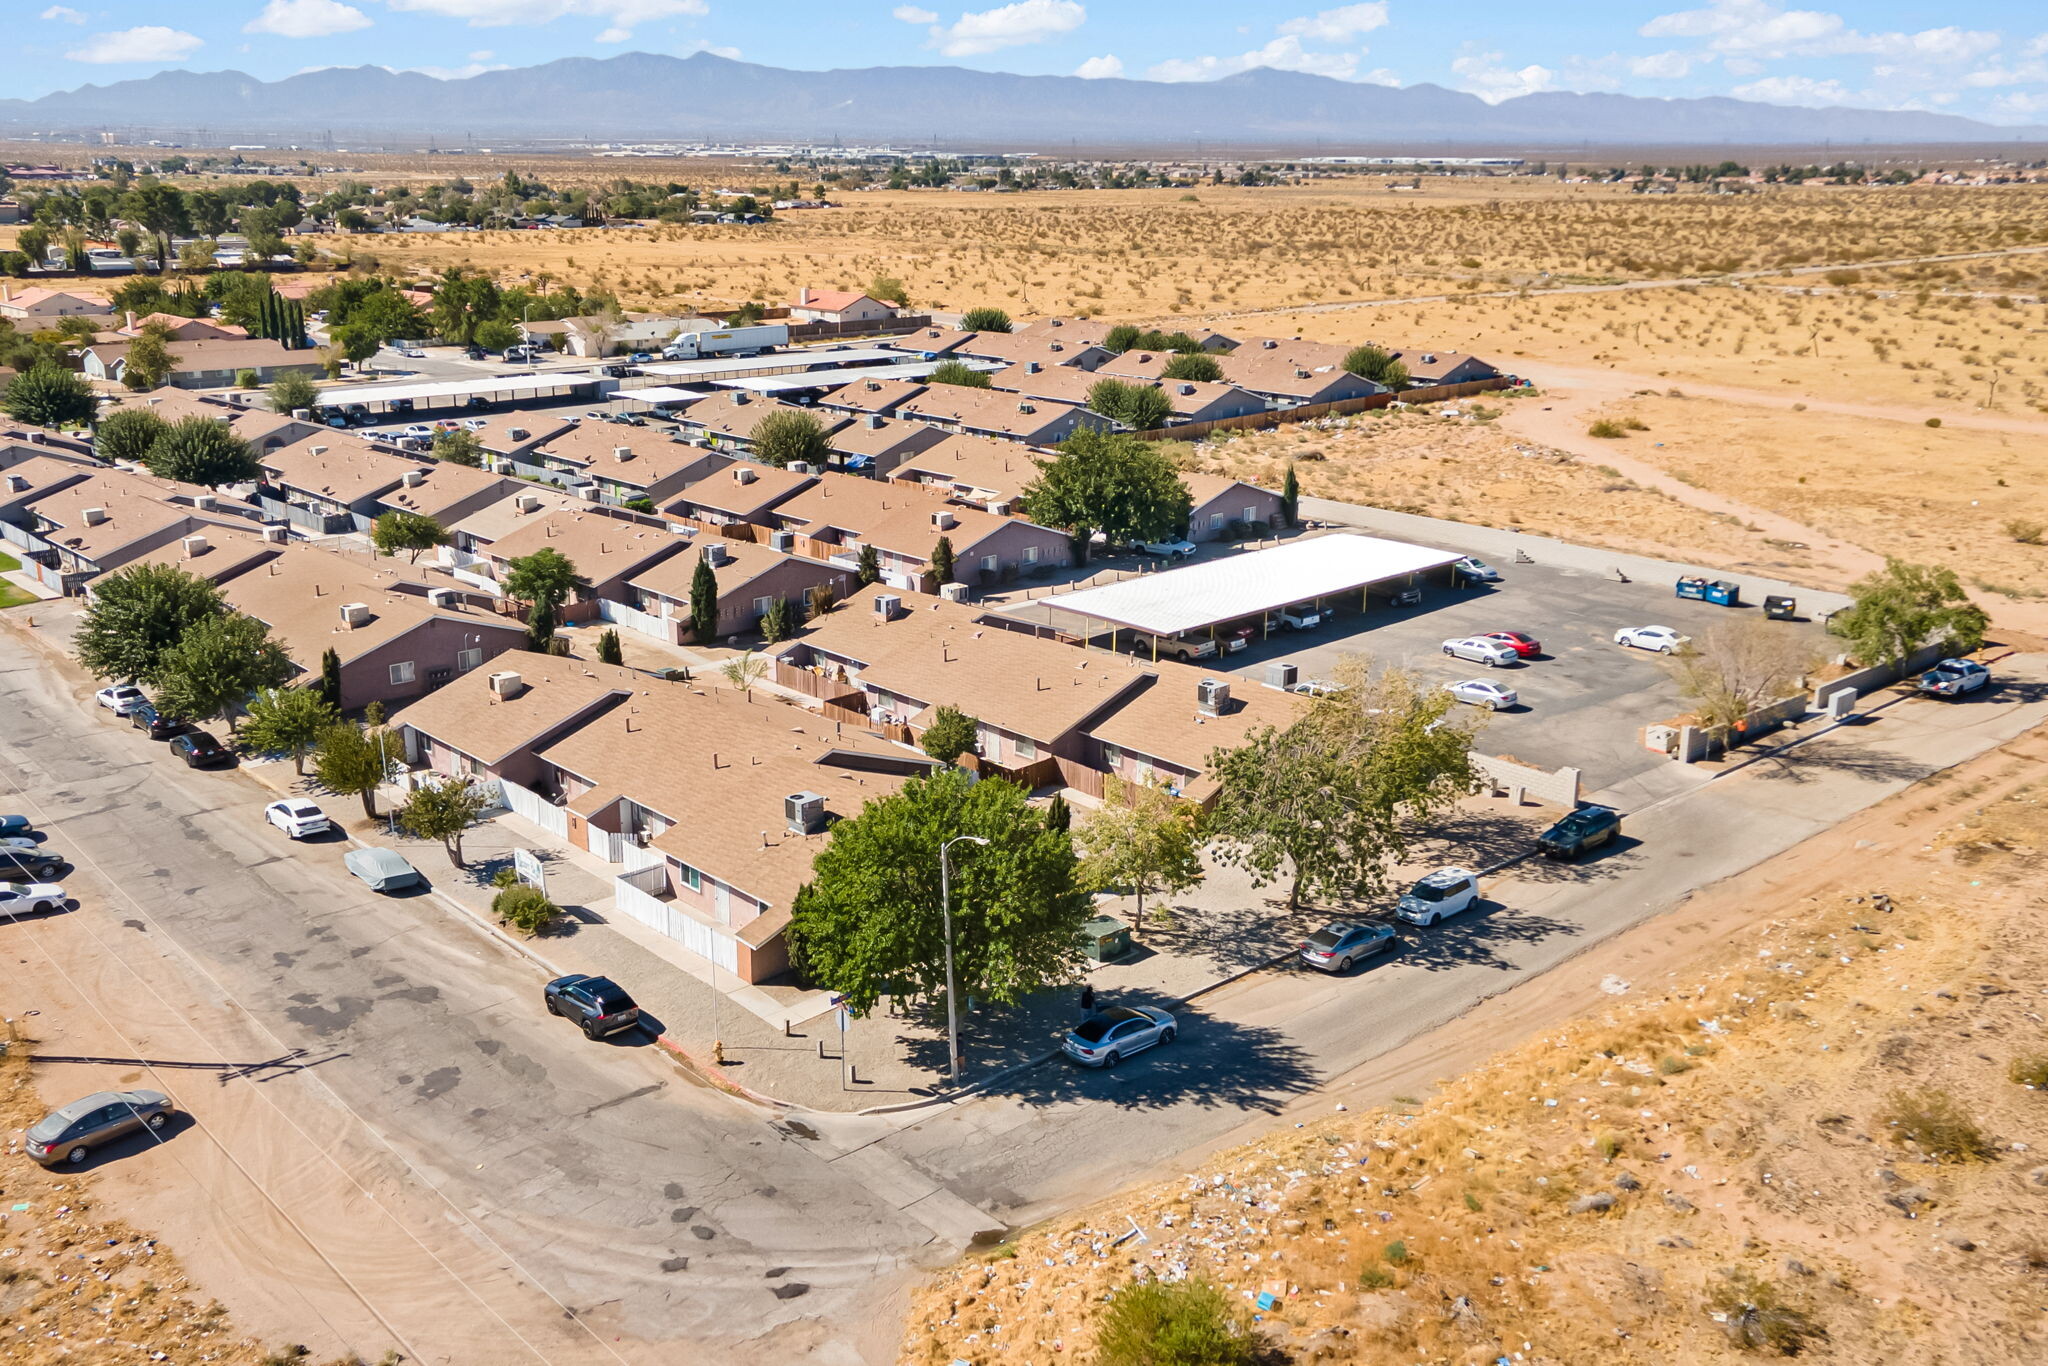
{"points": [[153, 723], [598, 1004], [1589, 827], [23, 863], [200, 750]]}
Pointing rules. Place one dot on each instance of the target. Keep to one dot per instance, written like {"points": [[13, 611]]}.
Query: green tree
{"points": [[704, 602], [1369, 362], [526, 909], [746, 315], [1199, 366], [1108, 482], [355, 760], [292, 391], [1058, 815], [48, 395], [540, 628], [138, 613], [160, 211], [463, 302], [198, 450], [779, 622], [246, 379], [951, 734], [1396, 377], [984, 319], [869, 920], [217, 665], [942, 560], [957, 372], [1138, 406], [287, 721], [1326, 802], [609, 648], [789, 437], [1175, 1323], [545, 576], [1902, 607], [444, 810], [495, 334], [1122, 338], [127, 434], [1290, 497], [889, 290], [355, 342], [867, 567], [411, 532], [149, 360], [1143, 839], [33, 241], [330, 679], [459, 447]]}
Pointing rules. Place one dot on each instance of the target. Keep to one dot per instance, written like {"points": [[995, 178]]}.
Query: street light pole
{"points": [[946, 915]]}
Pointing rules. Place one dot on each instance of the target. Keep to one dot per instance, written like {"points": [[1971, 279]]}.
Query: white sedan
{"points": [[409, 351], [297, 817], [29, 898], [1483, 650], [418, 431], [1481, 693], [1663, 639], [121, 699], [1475, 569]]}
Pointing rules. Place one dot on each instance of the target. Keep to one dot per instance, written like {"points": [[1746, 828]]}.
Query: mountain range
{"points": [[648, 96]]}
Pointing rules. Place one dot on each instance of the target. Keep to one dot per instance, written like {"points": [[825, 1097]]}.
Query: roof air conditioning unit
{"points": [[517, 433], [1000, 509], [1212, 695], [782, 540], [1187, 390], [805, 812], [316, 450], [714, 553], [587, 492], [443, 597], [874, 419], [944, 521], [798, 467], [622, 453], [1027, 407], [507, 684], [194, 545], [302, 414], [94, 516], [744, 474], [1429, 358], [1281, 674], [412, 479], [1269, 344], [277, 535], [953, 592], [886, 605], [17, 483], [1030, 367], [354, 614], [742, 397], [526, 502]]}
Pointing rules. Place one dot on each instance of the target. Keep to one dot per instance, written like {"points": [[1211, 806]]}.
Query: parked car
{"points": [[476, 403], [1589, 827], [121, 699], [1663, 639], [641, 357], [1335, 947], [409, 351], [1528, 647], [520, 353], [598, 1005], [32, 898], [69, 1133], [1954, 677], [1439, 896], [397, 407], [417, 431], [1481, 693], [200, 750], [153, 723], [297, 817], [357, 414], [1172, 550], [381, 870], [16, 825], [1183, 648], [1475, 570], [1303, 616], [1108, 1037], [474, 424], [29, 863], [1482, 650], [474, 352], [1317, 687]]}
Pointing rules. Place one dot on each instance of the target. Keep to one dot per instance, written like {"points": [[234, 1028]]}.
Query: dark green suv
{"points": [[1589, 827]]}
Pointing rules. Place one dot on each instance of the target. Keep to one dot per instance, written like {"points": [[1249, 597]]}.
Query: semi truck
{"points": [[729, 341]]}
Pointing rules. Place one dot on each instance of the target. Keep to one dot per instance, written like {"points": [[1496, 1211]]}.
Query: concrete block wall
{"points": [[1559, 787]]}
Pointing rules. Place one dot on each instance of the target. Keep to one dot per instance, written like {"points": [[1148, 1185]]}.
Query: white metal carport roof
{"points": [[661, 393], [1174, 601], [492, 386], [775, 363], [813, 379]]}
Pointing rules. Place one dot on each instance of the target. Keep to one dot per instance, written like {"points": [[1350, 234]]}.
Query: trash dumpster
{"points": [[1106, 938], [1724, 593], [1780, 608], [1692, 586]]}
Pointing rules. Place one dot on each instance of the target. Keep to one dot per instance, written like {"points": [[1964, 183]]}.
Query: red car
{"points": [[1528, 647]]}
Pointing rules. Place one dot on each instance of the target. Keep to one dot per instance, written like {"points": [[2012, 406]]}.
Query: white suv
{"points": [[1480, 650], [1442, 894]]}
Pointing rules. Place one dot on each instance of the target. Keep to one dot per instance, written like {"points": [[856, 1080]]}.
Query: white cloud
{"points": [[1017, 25], [63, 14], [911, 14], [1487, 75], [148, 43], [1382, 75], [2036, 47], [2021, 103], [307, 19], [731, 54], [619, 15], [1339, 25], [1661, 66], [1794, 90], [447, 73], [613, 35], [482, 54], [1100, 68], [1282, 54], [1741, 66], [1759, 28]]}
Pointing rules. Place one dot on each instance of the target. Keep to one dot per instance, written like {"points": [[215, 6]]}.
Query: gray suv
{"points": [[70, 1132], [23, 861], [598, 1005]]}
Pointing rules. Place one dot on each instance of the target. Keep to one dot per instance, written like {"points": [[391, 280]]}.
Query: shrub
{"points": [[1672, 1065], [526, 909], [1756, 1318], [1188, 1323], [1372, 1278], [246, 379], [1397, 1253], [2026, 530], [1934, 422], [1635, 424], [1609, 1145], [1607, 430], [2030, 1070], [1933, 1122]]}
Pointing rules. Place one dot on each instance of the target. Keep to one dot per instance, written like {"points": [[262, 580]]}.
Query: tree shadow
{"points": [[1810, 762], [1610, 860], [1213, 1064], [1477, 938], [1233, 938]]}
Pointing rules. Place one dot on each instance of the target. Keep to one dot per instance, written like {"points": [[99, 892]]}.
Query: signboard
{"points": [[526, 865]]}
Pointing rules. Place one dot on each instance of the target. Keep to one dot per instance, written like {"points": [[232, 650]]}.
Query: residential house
{"points": [[993, 412], [875, 396], [333, 482], [81, 529], [1427, 369], [34, 308], [1165, 731], [263, 429], [209, 364], [493, 723], [1012, 348], [877, 444], [445, 492], [750, 578], [29, 473], [1220, 502], [598, 336], [727, 420], [976, 470], [606, 550], [840, 514], [626, 463], [933, 343], [516, 435], [180, 328], [1192, 400], [216, 554], [393, 645], [1291, 383], [838, 306], [744, 493], [497, 520], [1095, 332]]}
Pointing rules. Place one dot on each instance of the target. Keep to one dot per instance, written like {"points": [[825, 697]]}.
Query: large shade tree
{"points": [[1112, 483], [136, 614], [198, 450], [218, 665]]}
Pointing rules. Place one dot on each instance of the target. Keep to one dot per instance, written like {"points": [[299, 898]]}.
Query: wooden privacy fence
{"points": [[1436, 393]]}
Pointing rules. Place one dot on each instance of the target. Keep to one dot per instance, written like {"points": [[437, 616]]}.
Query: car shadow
{"points": [[1478, 937], [333, 834], [137, 1144], [1214, 1064]]}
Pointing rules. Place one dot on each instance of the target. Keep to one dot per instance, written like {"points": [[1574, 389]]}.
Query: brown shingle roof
{"points": [[468, 715], [892, 516], [745, 561], [495, 521], [300, 594], [986, 410], [601, 547], [340, 467], [999, 469], [735, 413], [236, 353], [744, 490], [875, 395], [1163, 721], [133, 511]]}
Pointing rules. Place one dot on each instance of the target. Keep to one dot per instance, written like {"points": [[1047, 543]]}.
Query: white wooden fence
{"points": [[633, 619], [536, 808], [665, 918]]}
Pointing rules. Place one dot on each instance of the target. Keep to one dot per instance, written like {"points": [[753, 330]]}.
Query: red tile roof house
{"points": [[33, 308], [393, 644], [882, 443], [606, 550], [841, 513], [1219, 502], [750, 578], [992, 412], [838, 306]]}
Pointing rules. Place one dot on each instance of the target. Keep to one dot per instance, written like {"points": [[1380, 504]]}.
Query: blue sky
{"points": [[1873, 53]]}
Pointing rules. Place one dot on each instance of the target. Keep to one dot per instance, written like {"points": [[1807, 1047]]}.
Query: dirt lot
{"points": [[1817, 1113]]}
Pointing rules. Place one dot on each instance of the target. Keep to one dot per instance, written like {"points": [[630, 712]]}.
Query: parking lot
{"points": [[1582, 702]]}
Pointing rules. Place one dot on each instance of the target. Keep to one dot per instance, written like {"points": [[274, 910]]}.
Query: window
{"points": [[1031, 554], [1112, 757], [1026, 748], [991, 563], [1216, 520], [401, 673], [1250, 515], [466, 660], [690, 877], [761, 605]]}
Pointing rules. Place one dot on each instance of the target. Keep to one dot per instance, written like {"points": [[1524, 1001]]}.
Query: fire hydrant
{"points": [[718, 1051]]}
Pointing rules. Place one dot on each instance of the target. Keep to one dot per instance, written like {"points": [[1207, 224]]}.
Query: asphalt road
{"points": [[418, 1066]]}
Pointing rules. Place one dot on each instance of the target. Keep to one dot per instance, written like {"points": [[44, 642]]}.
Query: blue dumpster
{"points": [[1692, 586], [1723, 593]]}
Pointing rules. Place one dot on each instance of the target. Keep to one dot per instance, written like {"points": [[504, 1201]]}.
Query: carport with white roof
{"points": [[1202, 598]]}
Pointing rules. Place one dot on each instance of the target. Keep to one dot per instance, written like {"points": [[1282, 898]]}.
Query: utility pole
{"points": [[946, 916]]}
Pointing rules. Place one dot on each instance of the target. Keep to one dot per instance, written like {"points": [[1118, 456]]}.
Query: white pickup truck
{"points": [[1954, 677]]}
